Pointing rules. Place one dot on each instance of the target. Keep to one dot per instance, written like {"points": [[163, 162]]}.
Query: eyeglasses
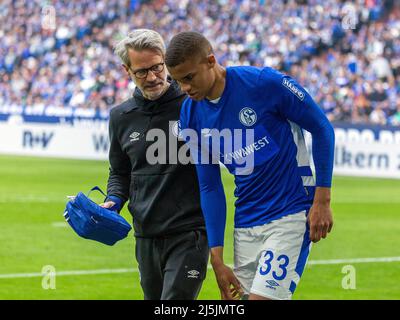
{"points": [[142, 73]]}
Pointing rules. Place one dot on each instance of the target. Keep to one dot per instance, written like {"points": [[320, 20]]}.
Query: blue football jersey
{"points": [[263, 113]]}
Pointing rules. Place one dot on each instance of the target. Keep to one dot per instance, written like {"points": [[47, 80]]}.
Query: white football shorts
{"points": [[269, 259]]}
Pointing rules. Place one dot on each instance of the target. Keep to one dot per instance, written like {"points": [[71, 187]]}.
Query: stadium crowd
{"points": [[58, 59]]}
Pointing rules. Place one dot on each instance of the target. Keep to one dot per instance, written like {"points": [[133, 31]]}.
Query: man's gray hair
{"points": [[138, 40]]}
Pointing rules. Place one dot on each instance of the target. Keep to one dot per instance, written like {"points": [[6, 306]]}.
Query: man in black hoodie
{"points": [[171, 244]]}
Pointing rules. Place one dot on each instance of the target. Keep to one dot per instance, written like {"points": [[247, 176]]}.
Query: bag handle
{"points": [[96, 188]]}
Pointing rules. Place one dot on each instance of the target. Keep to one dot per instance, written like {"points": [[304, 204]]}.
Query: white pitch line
{"points": [[131, 270], [360, 260], [59, 224], [68, 273]]}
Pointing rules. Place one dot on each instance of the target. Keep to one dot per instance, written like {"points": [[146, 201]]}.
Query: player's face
{"points": [[195, 76], [148, 72]]}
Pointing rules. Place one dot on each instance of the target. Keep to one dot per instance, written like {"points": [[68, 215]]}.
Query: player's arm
{"points": [[213, 204], [119, 172], [212, 196], [320, 217], [301, 109]]}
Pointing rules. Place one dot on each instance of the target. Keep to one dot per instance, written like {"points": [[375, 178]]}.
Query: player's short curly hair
{"points": [[186, 45], [139, 39]]}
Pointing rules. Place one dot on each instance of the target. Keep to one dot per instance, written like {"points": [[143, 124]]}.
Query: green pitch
{"points": [[33, 195]]}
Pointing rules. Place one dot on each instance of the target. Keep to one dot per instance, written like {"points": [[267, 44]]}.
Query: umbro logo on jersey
{"points": [[247, 116], [193, 274], [272, 283], [134, 136]]}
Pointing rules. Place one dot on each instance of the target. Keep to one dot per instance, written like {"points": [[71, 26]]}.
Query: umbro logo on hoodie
{"points": [[193, 274], [134, 136]]}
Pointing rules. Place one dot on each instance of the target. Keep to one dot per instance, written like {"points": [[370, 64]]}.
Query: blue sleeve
{"points": [[212, 196], [297, 105], [118, 203], [213, 202]]}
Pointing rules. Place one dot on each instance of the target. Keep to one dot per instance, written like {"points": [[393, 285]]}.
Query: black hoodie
{"points": [[164, 199]]}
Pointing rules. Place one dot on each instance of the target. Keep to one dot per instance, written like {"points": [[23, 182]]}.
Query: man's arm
{"points": [[301, 109], [213, 204], [119, 173], [212, 195], [320, 217]]}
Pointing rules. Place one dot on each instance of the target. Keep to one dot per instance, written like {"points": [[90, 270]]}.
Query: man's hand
{"points": [[228, 284], [108, 204], [320, 217]]}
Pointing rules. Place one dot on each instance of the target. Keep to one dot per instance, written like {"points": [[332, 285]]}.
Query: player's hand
{"points": [[320, 221], [228, 284], [320, 217]]}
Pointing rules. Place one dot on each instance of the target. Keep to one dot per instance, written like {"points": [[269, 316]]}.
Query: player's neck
{"points": [[219, 84]]}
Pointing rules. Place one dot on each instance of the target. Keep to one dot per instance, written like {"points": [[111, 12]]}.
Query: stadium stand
{"points": [[347, 55]]}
